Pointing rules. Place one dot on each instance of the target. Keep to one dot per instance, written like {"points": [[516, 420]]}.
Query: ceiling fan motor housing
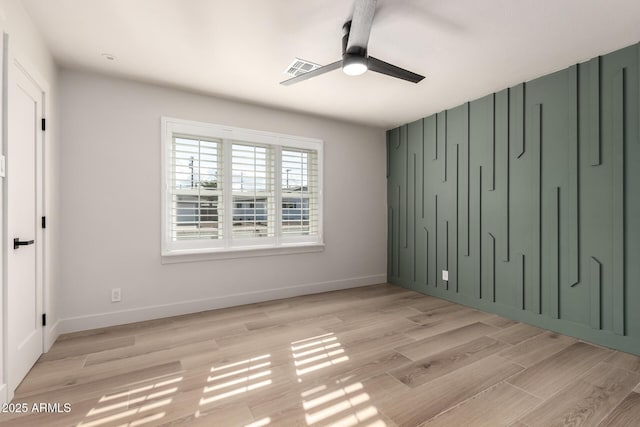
{"points": [[346, 28]]}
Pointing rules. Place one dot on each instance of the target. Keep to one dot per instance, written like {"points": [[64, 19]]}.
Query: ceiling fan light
{"points": [[354, 65], [354, 69]]}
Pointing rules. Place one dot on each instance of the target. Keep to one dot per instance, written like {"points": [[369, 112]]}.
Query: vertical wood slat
{"points": [[426, 256], [466, 208], [435, 139], [403, 184], [398, 234], [393, 143], [492, 267], [554, 255], [443, 144], [594, 112], [479, 254], [595, 277], [457, 213], [422, 164], [522, 284], [429, 132], [446, 252], [435, 246], [537, 139], [518, 118], [573, 224], [501, 137], [415, 183], [390, 269], [405, 141], [492, 172], [618, 140]]}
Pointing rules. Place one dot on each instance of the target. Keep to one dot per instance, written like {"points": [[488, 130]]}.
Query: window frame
{"points": [[228, 247]]}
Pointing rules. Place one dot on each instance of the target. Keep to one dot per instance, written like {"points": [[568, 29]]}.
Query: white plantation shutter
{"points": [[196, 189], [252, 174], [299, 192], [230, 189]]}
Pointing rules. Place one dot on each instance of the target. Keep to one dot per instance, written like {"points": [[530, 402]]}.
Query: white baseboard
{"points": [[51, 335], [101, 320]]}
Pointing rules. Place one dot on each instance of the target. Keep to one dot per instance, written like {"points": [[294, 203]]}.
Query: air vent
{"points": [[300, 66]]}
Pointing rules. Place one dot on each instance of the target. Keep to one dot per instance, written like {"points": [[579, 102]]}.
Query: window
{"points": [[229, 189]]}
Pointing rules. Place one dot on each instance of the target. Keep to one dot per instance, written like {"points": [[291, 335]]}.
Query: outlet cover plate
{"points": [[445, 275]]}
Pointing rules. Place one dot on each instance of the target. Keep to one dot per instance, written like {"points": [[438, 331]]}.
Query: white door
{"points": [[23, 234]]}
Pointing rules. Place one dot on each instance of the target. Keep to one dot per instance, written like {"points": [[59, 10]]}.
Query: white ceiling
{"points": [[240, 48]]}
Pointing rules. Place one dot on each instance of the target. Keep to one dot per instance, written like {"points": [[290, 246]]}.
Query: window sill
{"points": [[233, 253]]}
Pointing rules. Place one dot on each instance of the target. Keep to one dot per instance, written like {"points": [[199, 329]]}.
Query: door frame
{"points": [[11, 61]]}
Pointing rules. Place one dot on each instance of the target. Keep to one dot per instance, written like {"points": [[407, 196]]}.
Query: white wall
{"points": [[110, 176], [26, 42]]}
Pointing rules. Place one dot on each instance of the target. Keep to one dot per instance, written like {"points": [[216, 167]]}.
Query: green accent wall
{"points": [[529, 198]]}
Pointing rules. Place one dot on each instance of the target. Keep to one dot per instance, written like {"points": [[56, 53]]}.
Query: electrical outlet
{"points": [[116, 295], [445, 275]]}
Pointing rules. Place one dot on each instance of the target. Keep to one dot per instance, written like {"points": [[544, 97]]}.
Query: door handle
{"points": [[17, 243]]}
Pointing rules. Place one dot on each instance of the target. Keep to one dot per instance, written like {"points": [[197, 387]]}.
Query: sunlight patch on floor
{"points": [[318, 352], [138, 403], [310, 404], [342, 404], [236, 378], [142, 389]]}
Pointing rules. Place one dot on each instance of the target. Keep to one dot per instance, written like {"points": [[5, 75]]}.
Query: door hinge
{"points": [[44, 222], [44, 319], [44, 124]]}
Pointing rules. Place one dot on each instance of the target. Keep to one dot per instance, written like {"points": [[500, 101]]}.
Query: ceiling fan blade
{"points": [[314, 73], [382, 67], [361, 22]]}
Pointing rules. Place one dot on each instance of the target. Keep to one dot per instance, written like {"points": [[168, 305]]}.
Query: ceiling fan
{"points": [[355, 59]]}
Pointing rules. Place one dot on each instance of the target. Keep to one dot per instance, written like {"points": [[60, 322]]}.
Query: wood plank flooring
{"points": [[374, 356]]}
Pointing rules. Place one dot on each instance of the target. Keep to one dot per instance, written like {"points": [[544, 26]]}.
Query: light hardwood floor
{"points": [[373, 356]]}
